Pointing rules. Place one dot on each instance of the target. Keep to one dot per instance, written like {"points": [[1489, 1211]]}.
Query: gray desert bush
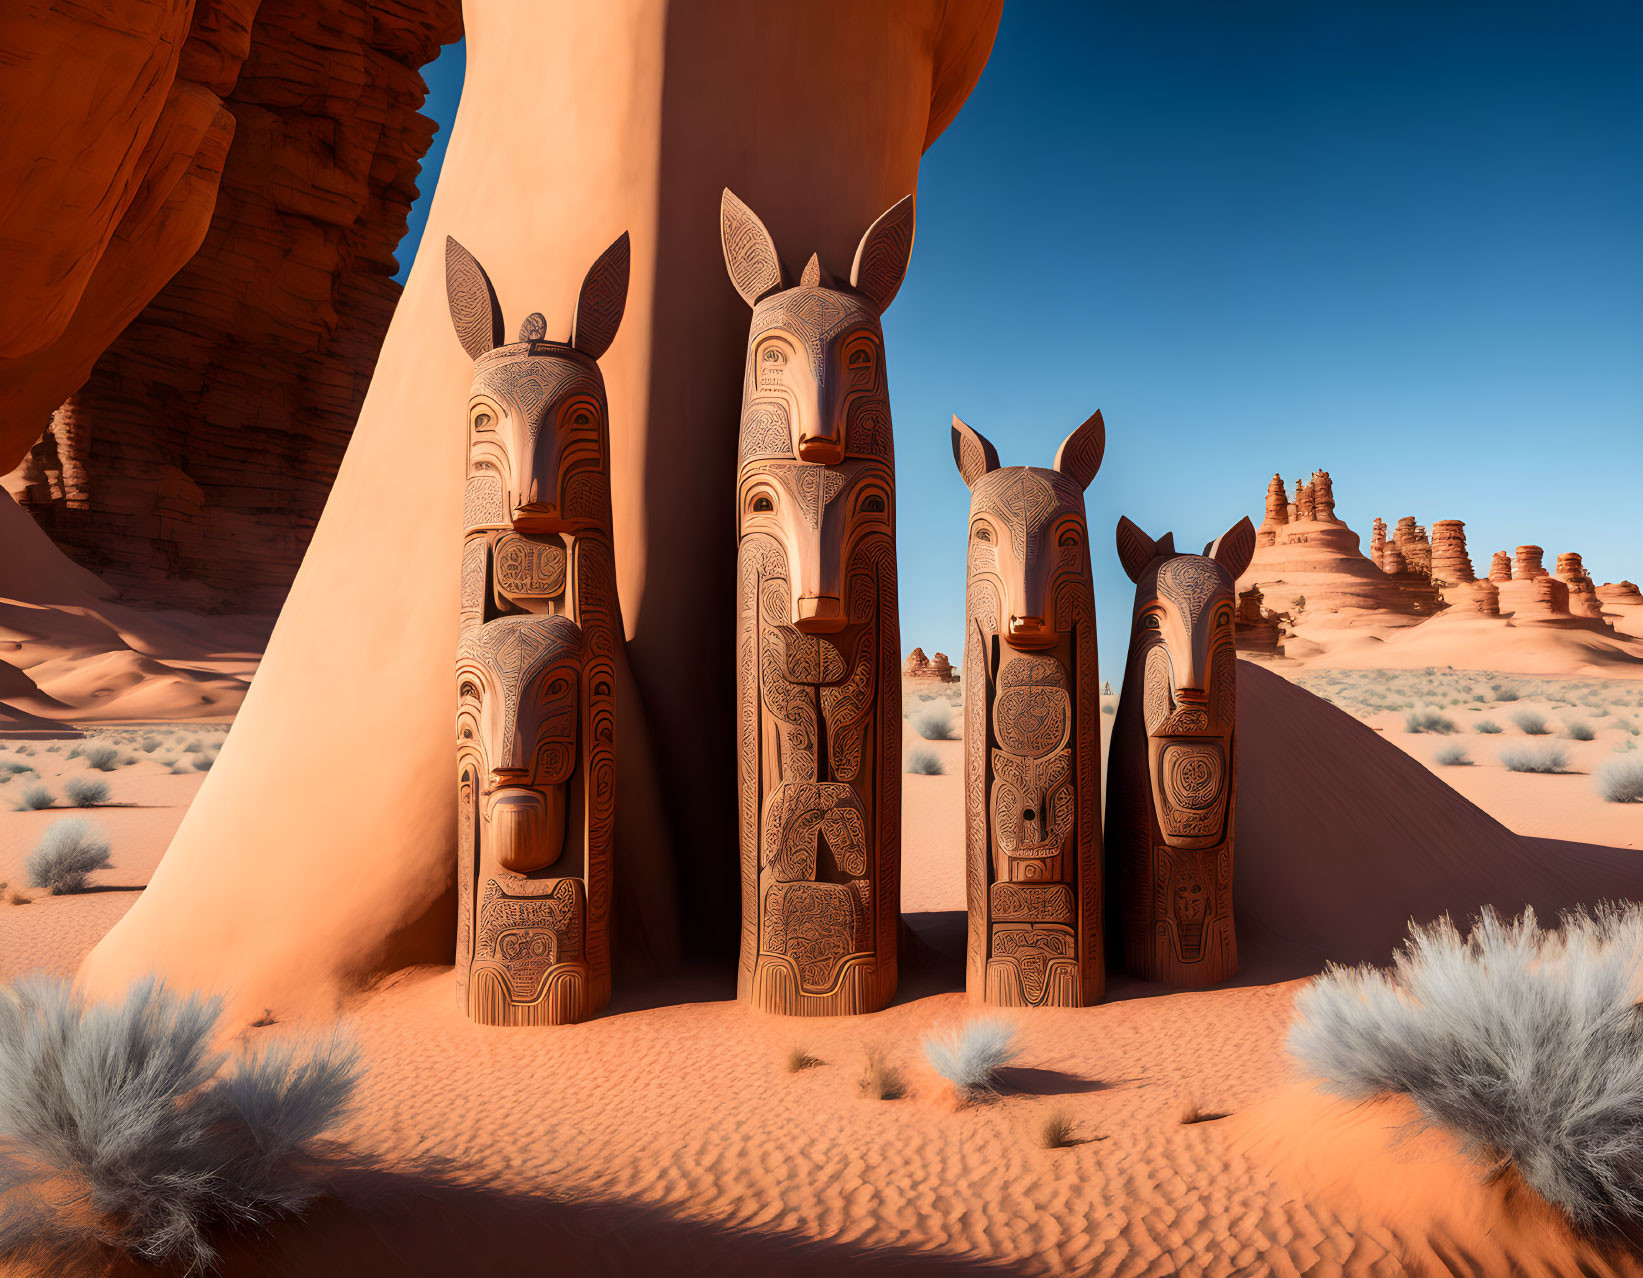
{"points": [[126, 1110], [935, 724], [1549, 756], [1525, 1043], [1427, 721], [1531, 723], [880, 1078], [1486, 726], [14, 766], [1626, 726], [194, 746], [1451, 756], [1054, 1128], [86, 792], [102, 757], [970, 1056], [1576, 730], [1109, 709], [924, 763], [204, 760], [66, 855], [150, 744], [1620, 781], [34, 798], [1505, 693]]}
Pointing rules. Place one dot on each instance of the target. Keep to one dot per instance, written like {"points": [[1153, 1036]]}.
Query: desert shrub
{"points": [[204, 760], [1480, 1032], [1451, 756], [926, 696], [127, 1110], [1531, 723], [1109, 709], [1427, 721], [26, 749], [924, 763], [14, 766], [182, 765], [880, 1079], [798, 1060], [34, 798], [1505, 693], [1626, 726], [970, 1056], [194, 746], [935, 724], [1193, 1112], [66, 855], [1578, 731], [1054, 1128], [86, 792], [1546, 757], [150, 744], [102, 757], [1620, 781], [1486, 726], [54, 748]]}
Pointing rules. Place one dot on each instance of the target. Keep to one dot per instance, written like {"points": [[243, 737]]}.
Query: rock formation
{"points": [[1451, 566], [938, 667], [1277, 513], [1172, 778], [1377, 539], [1528, 563], [1258, 629], [1416, 549], [196, 456], [1500, 567], [817, 633], [1583, 600], [1323, 497], [1304, 505], [1481, 597], [1032, 736], [1620, 592]]}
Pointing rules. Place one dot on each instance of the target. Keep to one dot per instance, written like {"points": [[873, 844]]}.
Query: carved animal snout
{"points": [[1029, 632], [818, 614], [827, 448]]}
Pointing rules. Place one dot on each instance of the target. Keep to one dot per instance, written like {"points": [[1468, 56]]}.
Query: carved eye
{"points": [[858, 358], [1149, 621], [581, 419], [762, 505], [774, 357], [468, 690], [873, 505], [1070, 537], [984, 533], [467, 734], [482, 421]]}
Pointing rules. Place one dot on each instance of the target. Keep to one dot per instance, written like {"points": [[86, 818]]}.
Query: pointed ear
{"points": [[1234, 548], [883, 254], [750, 253], [1079, 456], [474, 308], [974, 455], [1135, 549], [603, 298]]}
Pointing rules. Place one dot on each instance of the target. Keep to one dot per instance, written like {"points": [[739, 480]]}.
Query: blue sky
{"points": [[1400, 242]]}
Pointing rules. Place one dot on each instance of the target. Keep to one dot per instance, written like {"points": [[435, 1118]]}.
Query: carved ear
{"points": [[1234, 548], [603, 298], [474, 308], [750, 253], [974, 455], [882, 255], [1079, 456], [1135, 549]]}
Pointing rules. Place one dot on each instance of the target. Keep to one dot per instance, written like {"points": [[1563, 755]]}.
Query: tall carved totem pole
{"points": [[818, 644], [535, 666], [1032, 729], [1172, 779]]}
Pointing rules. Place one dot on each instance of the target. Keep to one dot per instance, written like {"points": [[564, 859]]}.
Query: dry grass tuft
{"points": [[799, 1060], [1054, 1128], [880, 1079]]}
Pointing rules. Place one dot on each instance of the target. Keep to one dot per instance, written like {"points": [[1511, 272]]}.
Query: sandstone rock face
{"points": [[1620, 592], [1481, 597], [1583, 600], [1500, 567], [1528, 563], [1412, 541], [1277, 513], [115, 140], [1450, 563], [195, 459], [1377, 539], [938, 667]]}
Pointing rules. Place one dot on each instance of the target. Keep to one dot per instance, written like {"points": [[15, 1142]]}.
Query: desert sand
{"points": [[668, 1134]]}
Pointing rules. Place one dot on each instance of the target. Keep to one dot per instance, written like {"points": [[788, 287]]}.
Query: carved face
{"points": [[1182, 640], [536, 440], [1027, 531], [818, 514]]}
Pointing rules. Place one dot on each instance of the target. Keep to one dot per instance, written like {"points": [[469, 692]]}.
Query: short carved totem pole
{"points": [[818, 645], [1172, 778], [1032, 728], [535, 667]]}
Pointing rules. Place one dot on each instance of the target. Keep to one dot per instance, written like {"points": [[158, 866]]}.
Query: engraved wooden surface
{"points": [[1172, 780], [818, 645], [1032, 736]]}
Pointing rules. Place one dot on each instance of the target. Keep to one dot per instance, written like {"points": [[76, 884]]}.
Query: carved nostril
{"points": [[1027, 814]]}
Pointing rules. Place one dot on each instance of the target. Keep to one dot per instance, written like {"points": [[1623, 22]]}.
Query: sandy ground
{"points": [[668, 1136]]}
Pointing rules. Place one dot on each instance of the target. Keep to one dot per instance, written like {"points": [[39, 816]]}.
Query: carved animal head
{"points": [[1027, 527], [1182, 643], [816, 462], [537, 436]]}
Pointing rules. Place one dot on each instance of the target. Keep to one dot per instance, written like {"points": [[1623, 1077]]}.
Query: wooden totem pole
{"points": [[1032, 728], [535, 668], [818, 645], [1172, 778]]}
